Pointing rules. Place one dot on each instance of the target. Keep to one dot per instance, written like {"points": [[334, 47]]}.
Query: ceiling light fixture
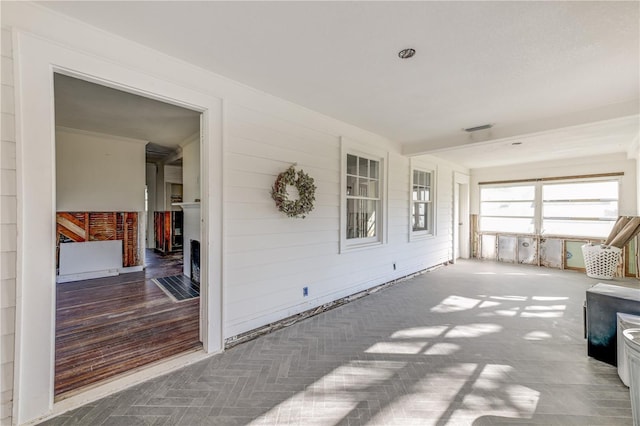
{"points": [[406, 53], [476, 128], [516, 143]]}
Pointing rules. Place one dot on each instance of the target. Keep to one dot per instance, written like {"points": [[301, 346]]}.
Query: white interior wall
{"points": [[150, 178], [191, 171], [8, 224], [612, 163], [161, 199], [172, 174], [190, 192], [96, 172]]}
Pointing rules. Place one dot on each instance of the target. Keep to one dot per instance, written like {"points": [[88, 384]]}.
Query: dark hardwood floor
{"points": [[108, 326]]}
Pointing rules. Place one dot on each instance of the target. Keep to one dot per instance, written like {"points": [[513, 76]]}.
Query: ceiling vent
{"points": [[475, 129]]}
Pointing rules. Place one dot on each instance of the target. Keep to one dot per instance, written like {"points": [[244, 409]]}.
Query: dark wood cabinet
{"points": [[168, 227]]}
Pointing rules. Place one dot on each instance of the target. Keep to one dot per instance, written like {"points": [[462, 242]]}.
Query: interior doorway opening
{"points": [[127, 216]]}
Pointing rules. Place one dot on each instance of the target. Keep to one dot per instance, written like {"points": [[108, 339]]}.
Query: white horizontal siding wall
{"points": [[269, 257], [8, 218]]}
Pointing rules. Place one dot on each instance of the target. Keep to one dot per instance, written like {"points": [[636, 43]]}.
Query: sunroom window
{"points": [[586, 209], [508, 209]]}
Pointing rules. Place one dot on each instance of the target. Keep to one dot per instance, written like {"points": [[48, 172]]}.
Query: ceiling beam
{"points": [[497, 132]]}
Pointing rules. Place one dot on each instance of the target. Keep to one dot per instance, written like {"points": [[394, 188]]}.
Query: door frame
{"points": [[460, 217], [36, 61]]}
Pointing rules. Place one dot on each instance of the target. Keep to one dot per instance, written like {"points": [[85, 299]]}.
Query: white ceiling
{"points": [[601, 138], [526, 67], [87, 106]]}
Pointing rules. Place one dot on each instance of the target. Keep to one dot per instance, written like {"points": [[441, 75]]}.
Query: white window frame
{"points": [[539, 202], [543, 232], [431, 230], [349, 147], [535, 200]]}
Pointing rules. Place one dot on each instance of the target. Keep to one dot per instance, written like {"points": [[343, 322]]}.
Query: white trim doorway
{"points": [[37, 60], [461, 228]]}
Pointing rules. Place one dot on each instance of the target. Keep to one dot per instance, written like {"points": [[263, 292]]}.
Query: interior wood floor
{"points": [[108, 326]]}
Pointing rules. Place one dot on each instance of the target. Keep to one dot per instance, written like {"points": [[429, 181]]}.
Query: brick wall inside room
{"points": [[8, 219]]}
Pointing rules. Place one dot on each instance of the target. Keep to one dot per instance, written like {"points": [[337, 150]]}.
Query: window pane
{"points": [[421, 216], [352, 164], [364, 167], [581, 191], [421, 178], [367, 188], [526, 192], [371, 218], [417, 193], [352, 183], [570, 215], [419, 223], [578, 228], [362, 188], [372, 188], [517, 208], [502, 224], [352, 218], [427, 194], [373, 169], [361, 218], [595, 209]]}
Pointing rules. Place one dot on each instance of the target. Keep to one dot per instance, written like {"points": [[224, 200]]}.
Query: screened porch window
{"points": [[586, 209], [508, 209]]}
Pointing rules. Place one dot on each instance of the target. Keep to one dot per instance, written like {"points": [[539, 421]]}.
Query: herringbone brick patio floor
{"points": [[469, 344]]}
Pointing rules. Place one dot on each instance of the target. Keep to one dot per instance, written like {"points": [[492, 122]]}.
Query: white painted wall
{"points": [[268, 257], [151, 200], [96, 172], [190, 192], [173, 174], [8, 231], [172, 180], [612, 163], [161, 199], [191, 171]]}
